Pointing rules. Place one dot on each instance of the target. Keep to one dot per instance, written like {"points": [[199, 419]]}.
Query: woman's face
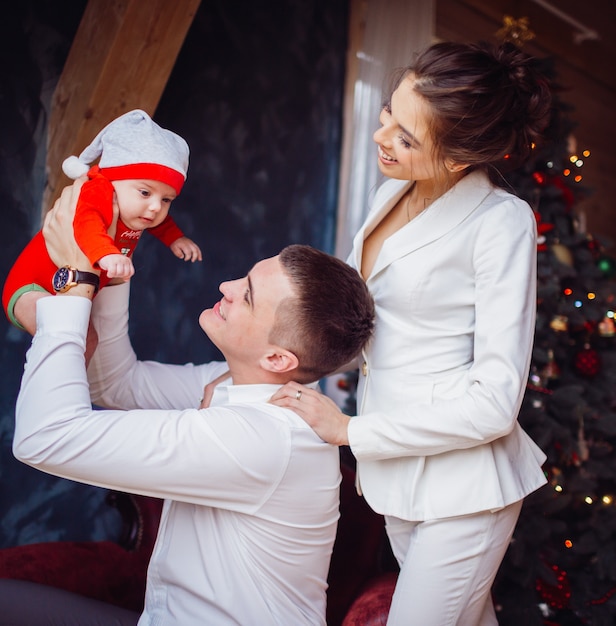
{"points": [[404, 144]]}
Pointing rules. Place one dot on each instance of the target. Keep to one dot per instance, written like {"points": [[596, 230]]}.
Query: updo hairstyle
{"points": [[488, 103]]}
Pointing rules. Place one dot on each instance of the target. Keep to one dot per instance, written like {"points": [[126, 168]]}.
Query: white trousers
{"points": [[447, 567]]}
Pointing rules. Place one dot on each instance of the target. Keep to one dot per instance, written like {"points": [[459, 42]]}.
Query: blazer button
{"points": [[364, 368]]}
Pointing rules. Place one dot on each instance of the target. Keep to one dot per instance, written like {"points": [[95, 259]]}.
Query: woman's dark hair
{"points": [[332, 316], [490, 104]]}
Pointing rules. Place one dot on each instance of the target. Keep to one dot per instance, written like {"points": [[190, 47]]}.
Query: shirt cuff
{"points": [[63, 314]]}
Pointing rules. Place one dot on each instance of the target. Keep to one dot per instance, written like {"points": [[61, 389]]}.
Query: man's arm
{"points": [[118, 380], [219, 457], [228, 457]]}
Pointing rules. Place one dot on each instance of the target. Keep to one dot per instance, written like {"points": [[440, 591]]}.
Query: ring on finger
{"points": [[298, 394]]}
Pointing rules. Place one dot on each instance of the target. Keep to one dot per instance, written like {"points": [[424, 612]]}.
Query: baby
{"points": [[145, 166]]}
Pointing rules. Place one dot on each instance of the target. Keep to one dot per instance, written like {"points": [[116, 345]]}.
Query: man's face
{"points": [[240, 323]]}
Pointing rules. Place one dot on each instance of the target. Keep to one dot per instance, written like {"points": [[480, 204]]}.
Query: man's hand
{"points": [[58, 230]]}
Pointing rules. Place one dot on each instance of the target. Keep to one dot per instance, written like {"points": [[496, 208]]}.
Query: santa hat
{"points": [[134, 146]]}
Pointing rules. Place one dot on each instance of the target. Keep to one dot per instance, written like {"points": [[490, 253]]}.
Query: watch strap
{"points": [[90, 278]]}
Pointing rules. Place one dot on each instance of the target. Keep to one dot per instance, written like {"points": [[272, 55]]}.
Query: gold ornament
{"points": [[560, 323], [515, 31], [607, 327], [551, 371], [562, 253]]}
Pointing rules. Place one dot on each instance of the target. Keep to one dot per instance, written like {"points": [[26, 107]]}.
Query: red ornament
{"points": [[542, 228], [593, 246], [539, 177], [343, 384], [567, 193], [557, 592], [605, 598], [587, 362]]}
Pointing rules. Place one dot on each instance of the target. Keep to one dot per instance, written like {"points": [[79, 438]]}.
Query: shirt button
{"points": [[364, 368]]}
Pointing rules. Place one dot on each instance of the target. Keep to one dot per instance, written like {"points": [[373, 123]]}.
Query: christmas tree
{"points": [[561, 565]]}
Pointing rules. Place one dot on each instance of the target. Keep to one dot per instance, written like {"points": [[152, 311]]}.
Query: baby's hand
{"points": [[117, 266], [187, 249]]}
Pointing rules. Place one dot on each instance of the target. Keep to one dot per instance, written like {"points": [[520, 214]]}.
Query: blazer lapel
{"points": [[399, 188], [436, 221]]}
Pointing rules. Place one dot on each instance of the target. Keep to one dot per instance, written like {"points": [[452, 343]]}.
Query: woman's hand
{"points": [[317, 410], [58, 230]]}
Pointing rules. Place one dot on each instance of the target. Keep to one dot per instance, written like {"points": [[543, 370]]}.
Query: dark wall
{"points": [[257, 93]]}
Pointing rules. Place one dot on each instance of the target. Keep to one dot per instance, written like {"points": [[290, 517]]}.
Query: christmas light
{"points": [[607, 499], [578, 162], [588, 500], [568, 543], [591, 296]]}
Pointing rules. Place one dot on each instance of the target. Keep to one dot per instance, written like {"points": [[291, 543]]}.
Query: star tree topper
{"points": [[515, 31]]}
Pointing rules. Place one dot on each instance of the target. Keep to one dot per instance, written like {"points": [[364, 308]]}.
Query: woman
{"points": [[450, 259]]}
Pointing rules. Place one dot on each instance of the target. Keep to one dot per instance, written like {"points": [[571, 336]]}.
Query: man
{"points": [[251, 493]]}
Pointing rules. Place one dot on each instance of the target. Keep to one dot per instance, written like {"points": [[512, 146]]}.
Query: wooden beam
{"points": [[121, 59]]}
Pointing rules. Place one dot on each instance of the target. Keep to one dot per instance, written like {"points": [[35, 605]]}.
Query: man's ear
{"points": [[279, 360]]}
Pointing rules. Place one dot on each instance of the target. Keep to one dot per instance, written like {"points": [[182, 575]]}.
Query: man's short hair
{"points": [[332, 316]]}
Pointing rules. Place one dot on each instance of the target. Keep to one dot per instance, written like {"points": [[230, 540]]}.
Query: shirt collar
{"points": [[245, 394]]}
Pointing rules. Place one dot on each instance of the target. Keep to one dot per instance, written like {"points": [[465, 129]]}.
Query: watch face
{"points": [[61, 278]]}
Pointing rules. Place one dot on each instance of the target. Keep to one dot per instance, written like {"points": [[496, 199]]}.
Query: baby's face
{"points": [[143, 203]]}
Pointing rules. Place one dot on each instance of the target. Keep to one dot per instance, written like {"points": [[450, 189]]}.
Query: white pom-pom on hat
{"points": [[74, 168]]}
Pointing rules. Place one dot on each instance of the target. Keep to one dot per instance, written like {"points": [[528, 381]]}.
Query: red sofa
{"points": [[361, 578]]}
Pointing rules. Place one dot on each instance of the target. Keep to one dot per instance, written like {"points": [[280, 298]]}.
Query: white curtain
{"points": [[394, 31]]}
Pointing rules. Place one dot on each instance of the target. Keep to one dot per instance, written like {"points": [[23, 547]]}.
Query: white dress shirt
{"points": [[251, 493]]}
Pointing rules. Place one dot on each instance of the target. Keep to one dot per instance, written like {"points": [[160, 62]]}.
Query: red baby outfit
{"points": [[34, 270]]}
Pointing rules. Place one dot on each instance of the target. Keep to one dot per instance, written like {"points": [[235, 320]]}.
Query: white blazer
{"points": [[442, 381]]}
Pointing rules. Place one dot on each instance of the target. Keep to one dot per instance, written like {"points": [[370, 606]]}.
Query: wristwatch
{"points": [[67, 277]]}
